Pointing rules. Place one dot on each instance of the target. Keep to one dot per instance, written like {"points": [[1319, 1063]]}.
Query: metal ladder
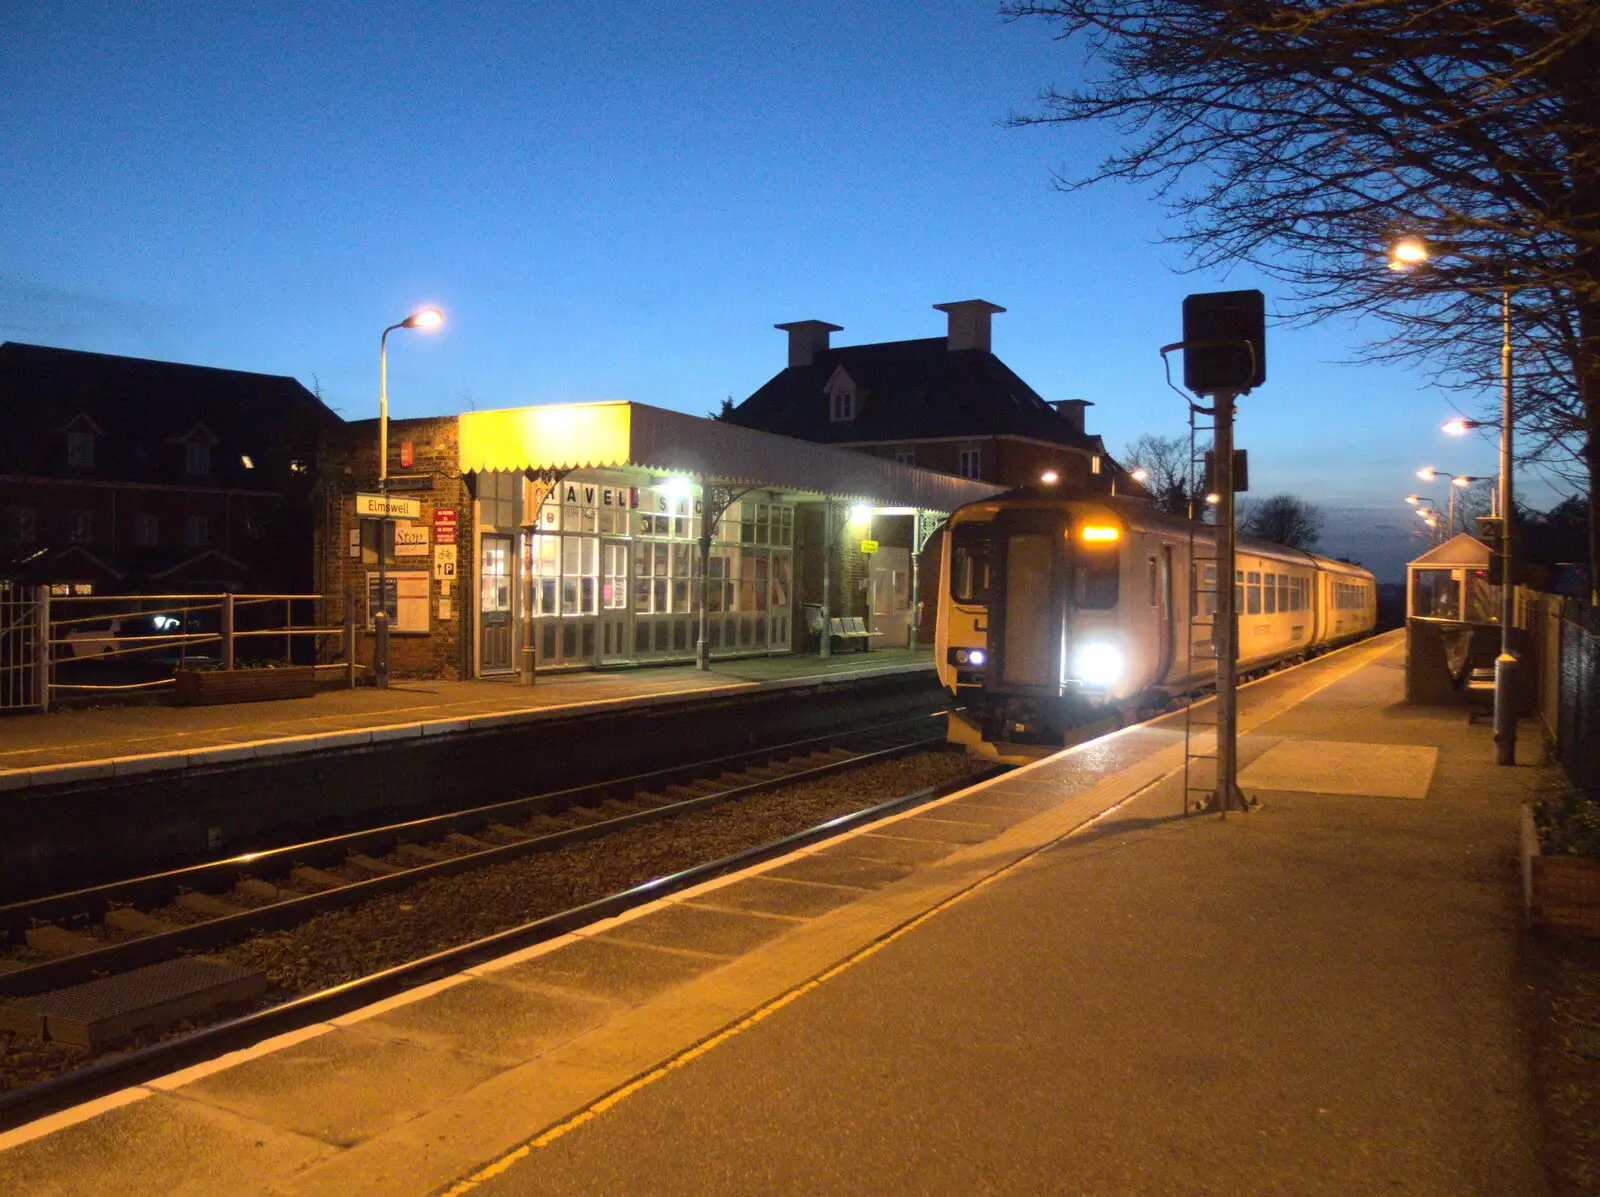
{"points": [[1199, 759]]}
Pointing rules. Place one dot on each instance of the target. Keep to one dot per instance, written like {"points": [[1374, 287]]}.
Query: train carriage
{"points": [[1052, 609]]}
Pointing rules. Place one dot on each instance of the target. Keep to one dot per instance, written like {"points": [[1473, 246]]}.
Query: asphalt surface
{"points": [[1321, 997]]}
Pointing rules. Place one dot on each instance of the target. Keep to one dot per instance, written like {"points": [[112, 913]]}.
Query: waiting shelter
{"points": [[1452, 622], [586, 534]]}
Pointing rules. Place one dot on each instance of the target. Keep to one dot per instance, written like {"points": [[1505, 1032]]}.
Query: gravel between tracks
{"points": [[440, 913]]}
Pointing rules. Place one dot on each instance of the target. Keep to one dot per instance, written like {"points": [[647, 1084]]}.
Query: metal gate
{"points": [[24, 637]]}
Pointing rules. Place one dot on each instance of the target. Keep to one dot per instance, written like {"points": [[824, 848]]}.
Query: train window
{"points": [[970, 564], [1252, 593], [1283, 592], [1238, 592], [1269, 594], [1155, 588], [1094, 587]]}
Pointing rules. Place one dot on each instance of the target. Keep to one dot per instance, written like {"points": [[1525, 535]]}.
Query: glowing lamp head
{"points": [[1427, 473], [1407, 252], [1100, 534], [861, 515], [1140, 475], [1413, 499], [1458, 427], [1213, 499], [1461, 480], [677, 487], [424, 318], [1049, 477]]}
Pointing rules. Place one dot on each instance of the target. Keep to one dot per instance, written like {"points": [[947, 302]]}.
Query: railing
{"points": [[56, 646], [1566, 644]]}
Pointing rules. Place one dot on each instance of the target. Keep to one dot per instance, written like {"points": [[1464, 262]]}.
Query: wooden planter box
{"points": [[1559, 893], [205, 687]]}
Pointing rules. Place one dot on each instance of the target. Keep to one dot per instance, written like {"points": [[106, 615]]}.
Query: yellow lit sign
{"points": [[1100, 534], [869, 547]]}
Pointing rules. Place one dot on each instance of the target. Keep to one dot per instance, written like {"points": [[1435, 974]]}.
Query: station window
{"points": [[1155, 585], [971, 463]]}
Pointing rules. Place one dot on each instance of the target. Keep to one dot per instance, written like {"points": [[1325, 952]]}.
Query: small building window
{"points": [[80, 450], [196, 532], [80, 527], [21, 525], [197, 457], [971, 463], [146, 529], [906, 456], [843, 406]]}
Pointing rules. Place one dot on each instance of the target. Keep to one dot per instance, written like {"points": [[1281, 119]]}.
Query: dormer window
{"points": [[80, 450], [841, 392], [81, 432], [197, 444]]}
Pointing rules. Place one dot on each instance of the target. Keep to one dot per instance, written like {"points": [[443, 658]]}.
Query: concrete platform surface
{"points": [[1052, 982], [72, 745]]}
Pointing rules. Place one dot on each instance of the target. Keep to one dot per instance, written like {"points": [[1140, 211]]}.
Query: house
{"points": [[939, 403], [123, 475]]}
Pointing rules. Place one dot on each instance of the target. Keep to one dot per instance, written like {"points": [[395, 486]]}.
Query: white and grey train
{"points": [[1053, 608]]}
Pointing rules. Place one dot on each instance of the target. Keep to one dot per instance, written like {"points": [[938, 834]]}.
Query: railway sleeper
{"points": [[58, 941], [366, 864], [205, 904], [136, 922], [416, 854], [317, 878]]}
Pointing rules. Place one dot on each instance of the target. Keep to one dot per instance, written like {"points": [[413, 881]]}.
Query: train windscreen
{"points": [[1028, 659], [971, 564]]}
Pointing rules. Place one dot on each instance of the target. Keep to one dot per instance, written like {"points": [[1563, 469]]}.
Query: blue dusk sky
{"points": [[619, 201]]}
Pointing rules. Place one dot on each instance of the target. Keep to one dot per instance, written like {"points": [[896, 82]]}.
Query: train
{"points": [[1056, 611]]}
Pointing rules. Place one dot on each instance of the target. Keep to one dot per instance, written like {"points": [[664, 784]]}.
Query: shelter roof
{"points": [[615, 434], [1461, 551]]}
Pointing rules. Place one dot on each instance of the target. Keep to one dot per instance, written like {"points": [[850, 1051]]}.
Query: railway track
{"points": [[80, 1076], [65, 939]]}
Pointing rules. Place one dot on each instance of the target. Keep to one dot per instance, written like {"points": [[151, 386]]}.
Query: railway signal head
{"points": [[1224, 341]]}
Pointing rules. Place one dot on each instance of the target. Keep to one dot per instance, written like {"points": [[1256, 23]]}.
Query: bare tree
{"points": [[1302, 136], [1166, 460], [1282, 519]]}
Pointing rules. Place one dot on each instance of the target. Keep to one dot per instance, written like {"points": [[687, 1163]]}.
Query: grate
{"points": [[108, 1008]]}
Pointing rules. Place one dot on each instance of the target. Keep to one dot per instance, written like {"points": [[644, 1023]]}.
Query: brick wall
{"points": [[350, 463]]}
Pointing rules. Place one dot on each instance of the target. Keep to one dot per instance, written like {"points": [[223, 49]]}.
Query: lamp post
{"points": [[1462, 481], [423, 318], [1425, 512], [1413, 251]]}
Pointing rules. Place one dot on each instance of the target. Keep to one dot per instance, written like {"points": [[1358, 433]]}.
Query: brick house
{"points": [[128, 475]]}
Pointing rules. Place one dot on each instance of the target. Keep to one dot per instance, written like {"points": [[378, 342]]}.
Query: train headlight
{"points": [[972, 658], [1098, 663], [977, 657]]}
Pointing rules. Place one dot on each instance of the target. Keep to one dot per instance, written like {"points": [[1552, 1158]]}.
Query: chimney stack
{"points": [[807, 338], [969, 323], [1072, 411]]}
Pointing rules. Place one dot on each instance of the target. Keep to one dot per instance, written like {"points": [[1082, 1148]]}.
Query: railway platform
{"points": [[78, 744], [1052, 981]]}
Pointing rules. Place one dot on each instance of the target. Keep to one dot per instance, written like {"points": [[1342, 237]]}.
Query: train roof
{"points": [[1142, 515]]}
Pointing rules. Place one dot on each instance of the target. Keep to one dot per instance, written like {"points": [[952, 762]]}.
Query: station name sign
{"points": [[388, 507]]}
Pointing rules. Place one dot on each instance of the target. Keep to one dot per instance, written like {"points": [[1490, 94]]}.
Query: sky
{"points": [[620, 201]]}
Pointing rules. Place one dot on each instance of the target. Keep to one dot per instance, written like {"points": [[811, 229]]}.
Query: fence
{"points": [[59, 646], [1566, 643]]}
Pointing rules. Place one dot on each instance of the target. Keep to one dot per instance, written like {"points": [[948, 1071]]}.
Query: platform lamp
{"points": [[1456, 481], [1405, 254], [423, 318]]}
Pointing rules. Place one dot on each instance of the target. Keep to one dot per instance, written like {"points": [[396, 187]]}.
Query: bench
{"points": [[851, 627]]}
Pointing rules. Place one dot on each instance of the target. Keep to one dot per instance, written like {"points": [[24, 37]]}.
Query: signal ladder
{"points": [[1200, 734]]}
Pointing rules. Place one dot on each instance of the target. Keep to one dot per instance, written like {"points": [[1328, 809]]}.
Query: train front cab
{"points": [[1030, 640]]}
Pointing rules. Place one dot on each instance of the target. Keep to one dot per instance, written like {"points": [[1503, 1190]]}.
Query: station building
{"points": [[570, 536]]}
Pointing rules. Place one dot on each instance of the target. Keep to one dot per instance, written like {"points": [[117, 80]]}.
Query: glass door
{"points": [[494, 605]]}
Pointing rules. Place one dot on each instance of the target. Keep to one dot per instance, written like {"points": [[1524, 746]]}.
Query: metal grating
{"points": [[97, 1011]]}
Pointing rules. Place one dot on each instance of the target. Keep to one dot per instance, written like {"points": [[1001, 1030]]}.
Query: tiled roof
{"points": [[907, 390], [143, 410]]}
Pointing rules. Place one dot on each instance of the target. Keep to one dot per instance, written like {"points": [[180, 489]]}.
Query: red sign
{"points": [[444, 526], [408, 454]]}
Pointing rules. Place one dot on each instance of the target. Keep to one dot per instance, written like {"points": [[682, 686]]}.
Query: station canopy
{"points": [[625, 435]]}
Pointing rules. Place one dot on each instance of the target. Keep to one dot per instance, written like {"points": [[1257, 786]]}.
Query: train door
{"points": [[1161, 596], [1025, 629]]}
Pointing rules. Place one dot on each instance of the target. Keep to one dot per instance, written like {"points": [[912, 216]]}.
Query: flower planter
{"points": [[205, 687], [1559, 893]]}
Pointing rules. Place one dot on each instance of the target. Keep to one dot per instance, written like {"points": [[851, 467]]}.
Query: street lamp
{"points": [[423, 318], [1413, 251]]}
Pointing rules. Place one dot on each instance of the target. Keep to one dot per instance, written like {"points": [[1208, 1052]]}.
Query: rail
{"points": [[54, 645]]}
